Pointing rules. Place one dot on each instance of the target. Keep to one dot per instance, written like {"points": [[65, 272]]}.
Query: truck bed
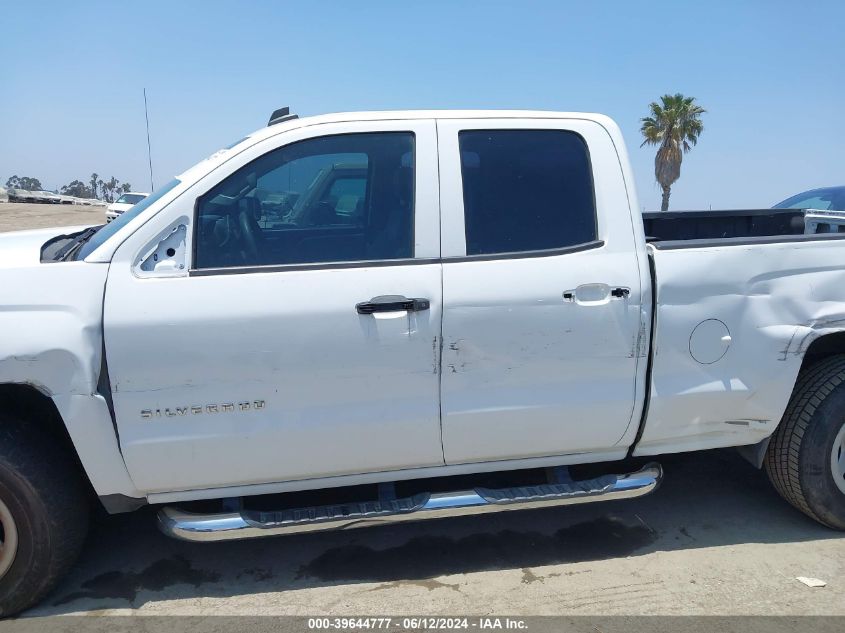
{"points": [[716, 225]]}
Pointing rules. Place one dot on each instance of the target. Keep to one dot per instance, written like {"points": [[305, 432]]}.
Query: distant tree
{"points": [[110, 190], [24, 182], [105, 193], [77, 189], [93, 184], [674, 126]]}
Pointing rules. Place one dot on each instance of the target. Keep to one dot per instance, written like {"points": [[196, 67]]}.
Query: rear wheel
{"points": [[806, 457], [43, 514]]}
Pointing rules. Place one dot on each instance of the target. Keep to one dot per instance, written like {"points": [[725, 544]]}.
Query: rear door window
{"points": [[526, 190]]}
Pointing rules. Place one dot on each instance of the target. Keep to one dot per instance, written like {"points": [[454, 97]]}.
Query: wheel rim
{"points": [[837, 460], [8, 540]]}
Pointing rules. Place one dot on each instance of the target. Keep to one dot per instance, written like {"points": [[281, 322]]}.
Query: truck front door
{"points": [[276, 355]]}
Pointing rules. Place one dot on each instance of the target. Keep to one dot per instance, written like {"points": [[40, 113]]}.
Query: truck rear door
{"points": [[543, 330]]}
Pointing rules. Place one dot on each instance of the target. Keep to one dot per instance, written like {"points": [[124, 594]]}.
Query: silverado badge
{"points": [[224, 407]]}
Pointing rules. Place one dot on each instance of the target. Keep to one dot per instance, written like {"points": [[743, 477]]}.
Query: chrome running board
{"points": [[190, 526]]}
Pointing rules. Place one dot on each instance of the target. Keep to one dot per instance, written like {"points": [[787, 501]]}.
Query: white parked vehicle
{"points": [[371, 304], [125, 202]]}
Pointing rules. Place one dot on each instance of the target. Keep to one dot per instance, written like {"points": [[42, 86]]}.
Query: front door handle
{"points": [[620, 293], [392, 303]]}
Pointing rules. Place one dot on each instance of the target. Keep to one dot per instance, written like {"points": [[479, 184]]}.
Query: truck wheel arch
{"points": [[28, 402], [104, 462], [823, 346]]}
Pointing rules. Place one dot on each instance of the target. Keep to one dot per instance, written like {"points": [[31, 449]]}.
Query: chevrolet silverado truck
{"points": [[358, 319]]}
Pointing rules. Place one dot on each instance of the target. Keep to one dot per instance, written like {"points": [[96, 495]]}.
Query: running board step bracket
{"points": [[243, 524]]}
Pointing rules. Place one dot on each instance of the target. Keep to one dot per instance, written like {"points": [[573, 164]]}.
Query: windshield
{"points": [[130, 198], [122, 220]]}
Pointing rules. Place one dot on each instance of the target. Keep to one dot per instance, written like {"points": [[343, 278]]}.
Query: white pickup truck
{"points": [[362, 318]]}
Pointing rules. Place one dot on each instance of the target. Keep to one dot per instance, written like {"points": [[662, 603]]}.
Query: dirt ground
{"points": [[15, 216], [714, 539]]}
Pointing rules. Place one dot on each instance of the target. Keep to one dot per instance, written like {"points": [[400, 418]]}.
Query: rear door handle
{"points": [[392, 303], [595, 294]]}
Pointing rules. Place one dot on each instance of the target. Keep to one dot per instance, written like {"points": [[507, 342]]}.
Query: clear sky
{"points": [[771, 75]]}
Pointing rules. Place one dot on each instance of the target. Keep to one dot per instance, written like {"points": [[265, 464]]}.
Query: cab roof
{"points": [[293, 123]]}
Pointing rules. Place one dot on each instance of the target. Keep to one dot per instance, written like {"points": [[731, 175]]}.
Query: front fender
{"points": [[51, 315]]}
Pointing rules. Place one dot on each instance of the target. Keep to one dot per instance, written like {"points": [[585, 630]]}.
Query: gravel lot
{"points": [[15, 216], [715, 539]]}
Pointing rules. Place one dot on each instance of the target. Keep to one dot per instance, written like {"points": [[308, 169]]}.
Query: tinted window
{"points": [[830, 199], [820, 201], [130, 198], [526, 190], [330, 199]]}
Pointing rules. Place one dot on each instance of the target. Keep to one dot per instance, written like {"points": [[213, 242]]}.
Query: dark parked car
{"points": [[824, 199]]}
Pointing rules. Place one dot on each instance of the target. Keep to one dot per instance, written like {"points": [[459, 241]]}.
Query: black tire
{"points": [[44, 493], [798, 460]]}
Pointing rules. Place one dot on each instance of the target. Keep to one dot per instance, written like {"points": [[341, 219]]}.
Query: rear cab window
{"points": [[526, 190]]}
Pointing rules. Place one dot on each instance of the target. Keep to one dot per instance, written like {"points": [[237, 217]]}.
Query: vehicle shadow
{"points": [[707, 500]]}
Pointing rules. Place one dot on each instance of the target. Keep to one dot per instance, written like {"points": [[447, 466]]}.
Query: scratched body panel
{"points": [[527, 373], [51, 317], [540, 358], [775, 299]]}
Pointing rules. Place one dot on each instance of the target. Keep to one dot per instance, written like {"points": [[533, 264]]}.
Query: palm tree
{"points": [[93, 182], [110, 189], [675, 125]]}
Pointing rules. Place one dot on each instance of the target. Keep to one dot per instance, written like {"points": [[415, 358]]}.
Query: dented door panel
{"points": [[774, 300], [527, 373], [544, 354]]}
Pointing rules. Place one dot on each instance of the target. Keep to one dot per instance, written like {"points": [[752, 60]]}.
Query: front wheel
{"points": [[806, 457], [43, 514]]}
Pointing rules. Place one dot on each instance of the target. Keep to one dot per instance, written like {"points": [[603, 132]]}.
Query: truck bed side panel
{"points": [[698, 225], [760, 306]]}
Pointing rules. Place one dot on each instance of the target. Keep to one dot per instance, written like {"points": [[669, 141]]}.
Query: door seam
{"points": [[442, 292]]}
